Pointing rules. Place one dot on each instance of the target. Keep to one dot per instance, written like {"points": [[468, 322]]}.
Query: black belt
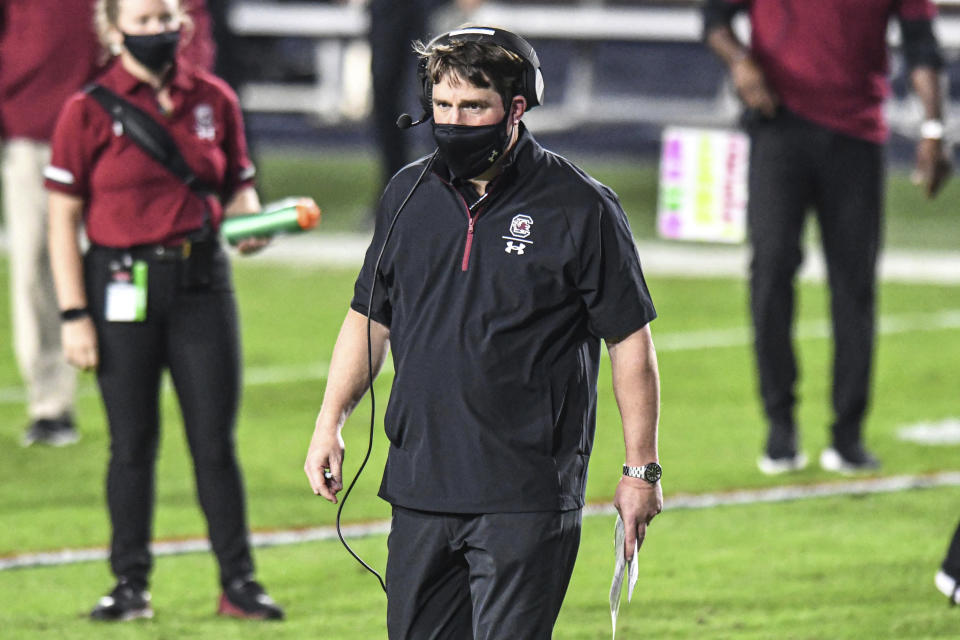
{"points": [[151, 252]]}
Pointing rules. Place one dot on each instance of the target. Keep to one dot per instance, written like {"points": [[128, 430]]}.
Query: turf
{"points": [[838, 567], [710, 428], [844, 568]]}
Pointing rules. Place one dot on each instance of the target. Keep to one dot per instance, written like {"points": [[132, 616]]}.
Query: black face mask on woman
{"points": [[469, 151], [155, 51]]}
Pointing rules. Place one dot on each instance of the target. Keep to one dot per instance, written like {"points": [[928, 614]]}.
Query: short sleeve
{"points": [[72, 149], [611, 281], [380, 310], [240, 169]]}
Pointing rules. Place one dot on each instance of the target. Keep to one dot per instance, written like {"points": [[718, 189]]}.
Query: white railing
{"points": [[342, 59]]}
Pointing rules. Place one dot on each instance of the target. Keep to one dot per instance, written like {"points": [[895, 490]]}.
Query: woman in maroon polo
{"points": [[154, 289]]}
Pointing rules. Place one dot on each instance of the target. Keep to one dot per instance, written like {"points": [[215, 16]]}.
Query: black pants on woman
{"points": [[192, 331], [796, 165]]}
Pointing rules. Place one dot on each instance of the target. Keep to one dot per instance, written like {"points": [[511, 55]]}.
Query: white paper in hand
{"points": [[620, 568]]}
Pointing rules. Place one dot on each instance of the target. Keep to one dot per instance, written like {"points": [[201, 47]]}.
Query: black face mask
{"points": [[469, 151], [154, 52]]}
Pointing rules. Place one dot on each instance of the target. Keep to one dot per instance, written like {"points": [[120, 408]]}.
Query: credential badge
{"points": [[520, 226], [204, 127]]}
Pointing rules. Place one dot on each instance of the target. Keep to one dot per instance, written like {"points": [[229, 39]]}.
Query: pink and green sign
{"points": [[703, 185]]}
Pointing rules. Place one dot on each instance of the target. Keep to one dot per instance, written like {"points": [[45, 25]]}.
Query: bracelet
{"points": [[74, 313], [932, 130]]}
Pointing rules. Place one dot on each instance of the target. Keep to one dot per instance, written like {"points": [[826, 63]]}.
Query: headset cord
{"points": [[373, 400]]}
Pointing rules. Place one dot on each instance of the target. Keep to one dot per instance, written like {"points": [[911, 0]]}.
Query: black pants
{"points": [[481, 577], [193, 332], [393, 28], [795, 165]]}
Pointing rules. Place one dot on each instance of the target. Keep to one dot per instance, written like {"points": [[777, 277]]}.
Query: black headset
{"points": [[531, 79]]}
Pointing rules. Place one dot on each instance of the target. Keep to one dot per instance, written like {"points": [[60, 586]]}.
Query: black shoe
{"points": [[56, 432], [245, 598], [848, 459], [125, 602]]}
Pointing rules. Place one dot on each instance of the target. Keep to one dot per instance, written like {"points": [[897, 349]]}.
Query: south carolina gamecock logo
{"points": [[204, 126], [520, 226]]}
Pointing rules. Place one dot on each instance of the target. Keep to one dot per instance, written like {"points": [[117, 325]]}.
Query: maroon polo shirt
{"points": [[130, 198], [48, 50], [827, 59]]}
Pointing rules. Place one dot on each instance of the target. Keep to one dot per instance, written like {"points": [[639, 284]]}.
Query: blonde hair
{"points": [[107, 12]]}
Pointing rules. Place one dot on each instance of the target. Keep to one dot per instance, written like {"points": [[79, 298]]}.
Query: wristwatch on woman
{"points": [[650, 472]]}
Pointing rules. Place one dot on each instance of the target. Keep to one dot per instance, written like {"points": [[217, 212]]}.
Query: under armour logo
{"points": [[493, 156], [515, 246]]}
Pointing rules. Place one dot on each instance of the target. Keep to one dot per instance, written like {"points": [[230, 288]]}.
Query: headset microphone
{"points": [[406, 121]]}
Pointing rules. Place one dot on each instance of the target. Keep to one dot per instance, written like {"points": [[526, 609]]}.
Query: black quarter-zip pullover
{"points": [[495, 318]]}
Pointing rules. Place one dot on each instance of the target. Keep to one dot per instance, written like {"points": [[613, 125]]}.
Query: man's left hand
{"points": [[638, 502], [933, 166]]}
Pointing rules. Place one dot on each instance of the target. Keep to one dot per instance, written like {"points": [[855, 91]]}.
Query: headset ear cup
{"points": [[537, 92], [426, 87]]}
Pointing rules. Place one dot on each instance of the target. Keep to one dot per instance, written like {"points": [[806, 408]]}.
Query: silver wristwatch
{"points": [[650, 472]]}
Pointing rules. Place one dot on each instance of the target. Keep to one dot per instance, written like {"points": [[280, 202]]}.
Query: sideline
{"points": [[786, 493], [659, 257]]}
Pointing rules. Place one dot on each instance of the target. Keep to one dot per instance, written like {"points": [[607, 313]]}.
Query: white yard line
{"points": [[700, 501], [659, 258]]}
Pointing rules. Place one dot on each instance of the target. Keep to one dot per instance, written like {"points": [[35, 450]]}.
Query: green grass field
{"points": [[842, 567]]}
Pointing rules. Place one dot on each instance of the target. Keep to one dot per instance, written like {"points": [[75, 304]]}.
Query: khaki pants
{"points": [[50, 381]]}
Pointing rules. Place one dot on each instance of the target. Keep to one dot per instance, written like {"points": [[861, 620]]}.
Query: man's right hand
{"points": [[751, 84], [933, 166], [325, 454], [79, 340]]}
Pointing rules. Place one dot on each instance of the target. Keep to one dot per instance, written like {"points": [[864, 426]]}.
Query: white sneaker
{"points": [[947, 586], [775, 466]]}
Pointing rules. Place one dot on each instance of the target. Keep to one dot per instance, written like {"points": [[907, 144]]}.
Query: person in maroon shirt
{"points": [[813, 82], [35, 80], [154, 289]]}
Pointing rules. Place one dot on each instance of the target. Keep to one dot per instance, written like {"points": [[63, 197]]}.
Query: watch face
{"points": [[652, 472]]}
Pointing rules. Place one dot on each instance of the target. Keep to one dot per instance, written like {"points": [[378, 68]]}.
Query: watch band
{"points": [[650, 472], [74, 313]]}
